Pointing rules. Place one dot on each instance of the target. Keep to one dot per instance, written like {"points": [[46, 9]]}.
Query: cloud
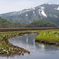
{"points": [[54, 1], [16, 5]]}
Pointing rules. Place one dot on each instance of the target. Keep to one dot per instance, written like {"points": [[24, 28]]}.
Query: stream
{"points": [[38, 51]]}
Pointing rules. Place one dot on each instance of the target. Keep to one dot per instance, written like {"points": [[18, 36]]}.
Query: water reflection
{"points": [[27, 39], [28, 42], [38, 51]]}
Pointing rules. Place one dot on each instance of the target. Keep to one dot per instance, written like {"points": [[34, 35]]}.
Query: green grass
{"points": [[6, 47], [48, 35]]}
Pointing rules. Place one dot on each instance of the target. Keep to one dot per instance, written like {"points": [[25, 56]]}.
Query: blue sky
{"points": [[16, 5]]}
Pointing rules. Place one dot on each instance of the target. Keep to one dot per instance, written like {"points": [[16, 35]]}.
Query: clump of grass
{"points": [[22, 53], [28, 52], [50, 36], [19, 52]]}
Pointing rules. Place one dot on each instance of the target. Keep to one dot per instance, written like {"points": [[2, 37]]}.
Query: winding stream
{"points": [[38, 51]]}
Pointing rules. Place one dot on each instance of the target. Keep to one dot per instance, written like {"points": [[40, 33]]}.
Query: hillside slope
{"points": [[7, 24], [48, 12], [41, 23]]}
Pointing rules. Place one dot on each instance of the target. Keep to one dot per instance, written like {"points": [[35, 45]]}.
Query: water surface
{"points": [[38, 51]]}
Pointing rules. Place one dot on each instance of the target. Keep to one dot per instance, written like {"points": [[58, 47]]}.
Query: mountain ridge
{"points": [[48, 12]]}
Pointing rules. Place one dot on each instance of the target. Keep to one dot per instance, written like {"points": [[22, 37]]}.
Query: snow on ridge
{"points": [[33, 12], [33, 8], [57, 8], [28, 8], [42, 8], [48, 3], [53, 16], [26, 15], [43, 13]]}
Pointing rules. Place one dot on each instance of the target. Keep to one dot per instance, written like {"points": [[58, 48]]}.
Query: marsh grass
{"points": [[6, 47], [48, 35]]}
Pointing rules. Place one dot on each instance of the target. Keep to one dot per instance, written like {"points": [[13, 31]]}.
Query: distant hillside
{"points": [[49, 12], [41, 23], [7, 24]]}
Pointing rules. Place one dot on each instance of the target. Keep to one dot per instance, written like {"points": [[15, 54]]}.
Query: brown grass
{"points": [[23, 29]]}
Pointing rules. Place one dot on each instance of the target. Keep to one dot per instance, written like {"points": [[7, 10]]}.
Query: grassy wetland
{"points": [[44, 36], [8, 49], [48, 37]]}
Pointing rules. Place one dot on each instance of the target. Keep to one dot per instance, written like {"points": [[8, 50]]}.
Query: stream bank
{"points": [[8, 49]]}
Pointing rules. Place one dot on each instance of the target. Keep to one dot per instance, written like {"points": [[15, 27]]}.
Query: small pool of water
{"points": [[38, 51]]}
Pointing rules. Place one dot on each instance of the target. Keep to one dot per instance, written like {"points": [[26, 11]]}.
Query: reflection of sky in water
{"points": [[38, 51], [28, 42]]}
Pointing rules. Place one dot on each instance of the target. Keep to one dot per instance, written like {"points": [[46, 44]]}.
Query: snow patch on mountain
{"points": [[33, 8], [57, 8], [26, 15], [48, 3], [55, 16], [43, 13], [33, 12]]}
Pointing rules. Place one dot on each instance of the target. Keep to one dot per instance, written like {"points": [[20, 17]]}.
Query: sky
{"points": [[17, 5]]}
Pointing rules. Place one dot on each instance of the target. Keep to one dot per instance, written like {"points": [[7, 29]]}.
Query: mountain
{"points": [[41, 23], [49, 12], [8, 24], [15, 13]]}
